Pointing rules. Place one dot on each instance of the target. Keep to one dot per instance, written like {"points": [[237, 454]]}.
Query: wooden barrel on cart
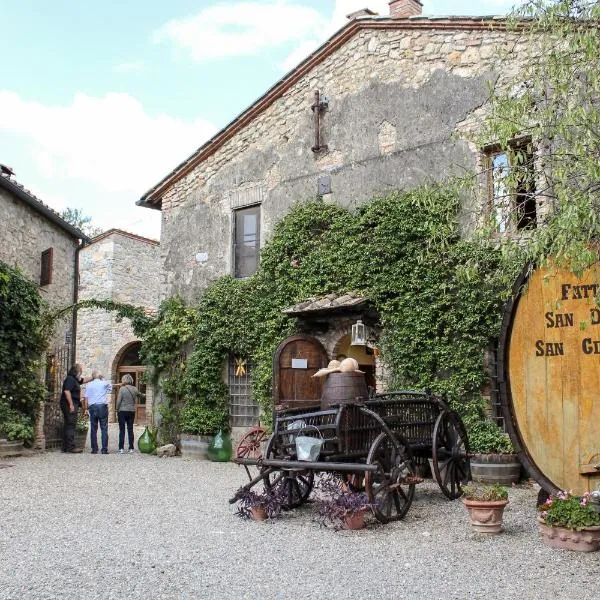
{"points": [[344, 388], [549, 375]]}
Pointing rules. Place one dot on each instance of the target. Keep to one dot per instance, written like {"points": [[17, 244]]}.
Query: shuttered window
{"points": [[46, 270], [246, 241]]}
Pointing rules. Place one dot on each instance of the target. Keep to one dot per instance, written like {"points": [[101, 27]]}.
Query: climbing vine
{"points": [[24, 333], [439, 297]]}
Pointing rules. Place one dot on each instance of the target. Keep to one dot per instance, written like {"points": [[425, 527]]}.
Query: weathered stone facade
{"points": [[124, 268], [28, 229], [401, 100]]}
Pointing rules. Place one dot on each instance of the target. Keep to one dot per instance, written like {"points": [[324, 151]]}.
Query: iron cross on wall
{"points": [[319, 107]]}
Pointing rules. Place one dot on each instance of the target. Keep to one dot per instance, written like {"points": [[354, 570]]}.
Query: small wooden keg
{"points": [[344, 388]]}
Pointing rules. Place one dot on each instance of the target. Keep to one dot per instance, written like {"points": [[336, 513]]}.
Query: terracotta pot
{"points": [[486, 515], [586, 540], [355, 520], [258, 513]]}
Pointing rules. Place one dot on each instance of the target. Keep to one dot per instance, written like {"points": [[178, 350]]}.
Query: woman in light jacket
{"points": [[126, 401]]}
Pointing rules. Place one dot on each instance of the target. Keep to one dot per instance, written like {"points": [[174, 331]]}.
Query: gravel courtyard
{"points": [[83, 526]]}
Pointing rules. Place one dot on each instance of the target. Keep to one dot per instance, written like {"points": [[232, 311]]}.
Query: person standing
{"points": [[97, 394], [128, 395], [70, 402]]}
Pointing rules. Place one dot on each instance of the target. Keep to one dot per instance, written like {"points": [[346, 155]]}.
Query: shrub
{"points": [[485, 492], [568, 511]]}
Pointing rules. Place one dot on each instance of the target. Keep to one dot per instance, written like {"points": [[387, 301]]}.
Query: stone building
{"points": [[386, 103], [122, 267], [46, 248]]}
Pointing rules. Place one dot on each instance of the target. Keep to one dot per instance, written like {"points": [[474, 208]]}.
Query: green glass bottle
{"points": [[146, 443], [219, 448]]}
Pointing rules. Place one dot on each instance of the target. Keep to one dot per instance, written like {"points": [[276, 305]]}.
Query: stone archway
{"points": [[127, 362]]}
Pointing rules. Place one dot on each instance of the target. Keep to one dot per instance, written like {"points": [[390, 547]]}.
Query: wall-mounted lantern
{"points": [[359, 334]]}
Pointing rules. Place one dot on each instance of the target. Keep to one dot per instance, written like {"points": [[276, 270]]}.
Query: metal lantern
{"points": [[359, 334]]}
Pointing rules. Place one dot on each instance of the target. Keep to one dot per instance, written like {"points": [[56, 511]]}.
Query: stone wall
{"points": [[120, 267], [401, 106], [26, 233]]}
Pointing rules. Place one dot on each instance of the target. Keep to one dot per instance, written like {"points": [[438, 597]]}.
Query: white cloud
{"points": [[242, 28], [99, 154], [132, 67], [109, 141]]}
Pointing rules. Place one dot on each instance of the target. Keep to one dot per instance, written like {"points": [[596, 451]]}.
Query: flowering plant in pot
{"points": [[260, 506], [339, 505], [485, 505], [570, 522]]}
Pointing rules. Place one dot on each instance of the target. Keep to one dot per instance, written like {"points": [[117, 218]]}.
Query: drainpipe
{"points": [[79, 248]]}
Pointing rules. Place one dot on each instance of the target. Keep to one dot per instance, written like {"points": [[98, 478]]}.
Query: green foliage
{"points": [[402, 251], [485, 436], [571, 512], [485, 493], [24, 331], [554, 100], [14, 424], [197, 419], [75, 217]]}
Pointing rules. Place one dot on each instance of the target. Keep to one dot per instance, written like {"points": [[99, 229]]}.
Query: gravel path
{"points": [[83, 526]]}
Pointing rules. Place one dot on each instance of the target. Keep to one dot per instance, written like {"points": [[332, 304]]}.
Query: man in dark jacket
{"points": [[70, 402]]}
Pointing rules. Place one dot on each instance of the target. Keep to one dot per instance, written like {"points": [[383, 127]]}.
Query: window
{"points": [[246, 241], [511, 187], [243, 411], [46, 272]]}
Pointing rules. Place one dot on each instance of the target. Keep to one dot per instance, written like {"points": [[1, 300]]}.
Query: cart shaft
{"points": [[314, 466]]}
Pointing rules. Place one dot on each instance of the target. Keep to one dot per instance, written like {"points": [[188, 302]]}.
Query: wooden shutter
{"points": [[46, 272]]}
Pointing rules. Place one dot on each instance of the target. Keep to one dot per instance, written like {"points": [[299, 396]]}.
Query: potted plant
{"points": [[570, 522], [339, 505], [197, 425], [493, 458], [485, 505], [267, 505], [16, 429], [81, 431]]}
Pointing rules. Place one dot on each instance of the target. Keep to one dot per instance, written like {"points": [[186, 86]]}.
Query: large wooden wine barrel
{"points": [[549, 376], [344, 388]]}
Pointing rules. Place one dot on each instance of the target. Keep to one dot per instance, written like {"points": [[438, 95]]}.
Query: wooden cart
{"points": [[373, 443]]}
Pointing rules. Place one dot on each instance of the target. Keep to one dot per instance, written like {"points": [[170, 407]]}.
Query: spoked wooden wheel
{"points": [[295, 485], [250, 445], [392, 487], [450, 454]]}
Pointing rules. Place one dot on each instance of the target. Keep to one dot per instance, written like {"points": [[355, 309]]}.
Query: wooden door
{"points": [[295, 362], [550, 379]]}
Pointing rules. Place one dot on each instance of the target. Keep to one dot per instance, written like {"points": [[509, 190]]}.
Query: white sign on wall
{"points": [[202, 257]]}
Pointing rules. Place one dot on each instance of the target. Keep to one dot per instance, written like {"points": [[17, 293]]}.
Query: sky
{"points": [[100, 100]]}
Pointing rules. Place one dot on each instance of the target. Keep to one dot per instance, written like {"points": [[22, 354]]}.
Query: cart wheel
{"points": [[296, 485], [392, 487], [450, 454], [249, 445]]}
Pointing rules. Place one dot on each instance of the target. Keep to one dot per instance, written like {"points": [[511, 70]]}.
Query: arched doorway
{"points": [[363, 354], [127, 362]]}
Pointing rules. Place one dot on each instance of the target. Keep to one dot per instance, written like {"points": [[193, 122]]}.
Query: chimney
{"points": [[402, 9]]}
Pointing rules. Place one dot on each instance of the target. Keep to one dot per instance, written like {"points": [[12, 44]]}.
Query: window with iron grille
{"points": [[46, 270], [243, 410], [246, 240], [511, 186]]}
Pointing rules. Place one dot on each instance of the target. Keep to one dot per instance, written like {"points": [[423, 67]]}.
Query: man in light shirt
{"points": [[97, 393]]}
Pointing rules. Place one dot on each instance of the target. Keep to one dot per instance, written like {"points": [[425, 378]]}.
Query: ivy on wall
{"points": [[439, 296], [24, 333]]}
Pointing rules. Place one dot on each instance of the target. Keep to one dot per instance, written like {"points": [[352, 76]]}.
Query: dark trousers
{"points": [[99, 414], [126, 417], [70, 421]]}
